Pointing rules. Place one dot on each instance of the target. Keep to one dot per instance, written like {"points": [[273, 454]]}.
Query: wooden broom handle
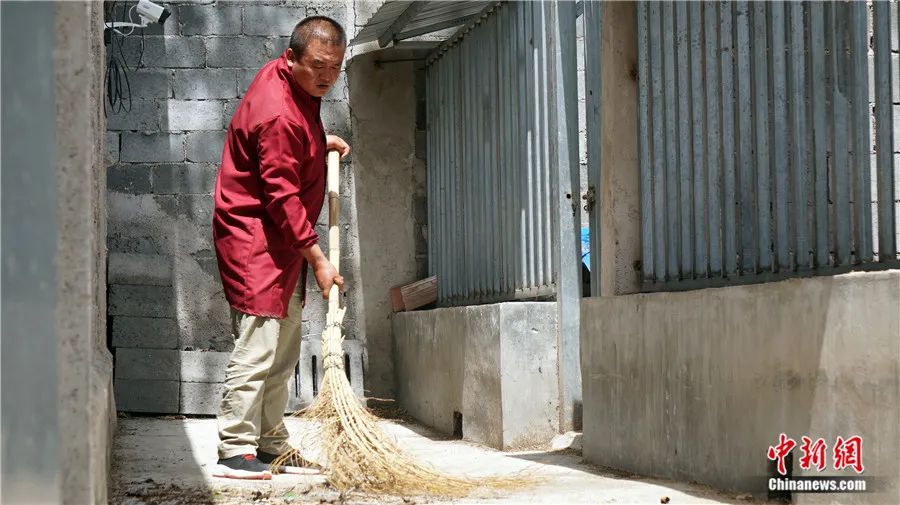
{"points": [[334, 212]]}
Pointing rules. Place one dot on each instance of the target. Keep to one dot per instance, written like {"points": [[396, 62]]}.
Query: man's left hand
{"points": [[336, 143]]}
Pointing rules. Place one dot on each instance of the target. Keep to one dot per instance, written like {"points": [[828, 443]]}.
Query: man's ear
{"points": [[291, 57]]}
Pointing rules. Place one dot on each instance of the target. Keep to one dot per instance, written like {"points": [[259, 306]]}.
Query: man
{"points": [[269, 192]]}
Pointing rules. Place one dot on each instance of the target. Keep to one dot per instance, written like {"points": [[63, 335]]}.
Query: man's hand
{"points": [[336, 143], [326, 276]]}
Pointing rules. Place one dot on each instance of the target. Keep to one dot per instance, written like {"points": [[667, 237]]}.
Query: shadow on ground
{"points": [[572, 460]]}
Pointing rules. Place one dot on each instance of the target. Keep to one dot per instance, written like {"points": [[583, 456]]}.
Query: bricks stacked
{"points": [[169, 322]]}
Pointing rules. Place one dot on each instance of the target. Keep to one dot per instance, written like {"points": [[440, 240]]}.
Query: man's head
{"points": [[316, 54]]}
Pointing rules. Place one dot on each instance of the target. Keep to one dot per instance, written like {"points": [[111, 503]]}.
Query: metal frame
{"points": [[397, 20]]}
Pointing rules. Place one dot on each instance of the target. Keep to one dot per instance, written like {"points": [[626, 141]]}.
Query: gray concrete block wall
{"points": [[165, 298]]}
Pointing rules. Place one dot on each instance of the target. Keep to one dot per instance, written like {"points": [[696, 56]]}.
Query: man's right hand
{"points": [[326, 276]]}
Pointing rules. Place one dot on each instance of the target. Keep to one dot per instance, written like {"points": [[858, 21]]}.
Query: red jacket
{"points": [[269, 192]]}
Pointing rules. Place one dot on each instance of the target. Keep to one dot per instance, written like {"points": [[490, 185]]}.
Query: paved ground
{"points": [[164, 461]]}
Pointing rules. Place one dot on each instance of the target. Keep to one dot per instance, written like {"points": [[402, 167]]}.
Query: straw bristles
{"points": [[356, 454]]}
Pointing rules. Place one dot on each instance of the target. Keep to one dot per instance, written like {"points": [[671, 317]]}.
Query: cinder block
{"points": [[236, 52], [147, 364], [149, 301], [336, 117], [150, 83], [143, 243], [266, 20], [277, 46], [230, 108], [145, 269], [896, 119], [311, 351], [166, 51], [201, 398], [210, 20], [151, 396], [128, 178], [180, 115], [206, 83], [203, 366], [205, 146], [111, 155], [144, 332], [143, 115], [337, 11], [183, 178], [195, 208], [159, 147], [245, 78], [895, 31]]}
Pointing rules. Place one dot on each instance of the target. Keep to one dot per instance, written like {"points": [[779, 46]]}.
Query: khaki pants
{"points": [[266, 350]]}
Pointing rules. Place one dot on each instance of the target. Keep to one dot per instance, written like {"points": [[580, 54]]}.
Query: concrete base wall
{"points": [[494, 364], [697, 385]]}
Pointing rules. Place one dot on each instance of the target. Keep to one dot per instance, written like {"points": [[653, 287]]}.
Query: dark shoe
{"points": [[292, 464], [244, 466]]}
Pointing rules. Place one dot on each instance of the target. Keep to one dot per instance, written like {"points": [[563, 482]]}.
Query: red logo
{"points": [[814, 454], [780, 451], [848, 453]]}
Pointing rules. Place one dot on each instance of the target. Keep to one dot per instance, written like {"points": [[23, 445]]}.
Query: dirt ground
{"points": [[168, 461]]}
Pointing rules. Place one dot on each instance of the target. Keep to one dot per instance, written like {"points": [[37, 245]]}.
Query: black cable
{"points": [[118, 84]]}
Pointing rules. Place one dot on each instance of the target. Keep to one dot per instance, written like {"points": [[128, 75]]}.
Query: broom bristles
{"points": [[356, 453]]}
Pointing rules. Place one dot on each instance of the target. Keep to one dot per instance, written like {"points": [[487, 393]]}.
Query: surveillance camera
{"points": [[151, 12]]}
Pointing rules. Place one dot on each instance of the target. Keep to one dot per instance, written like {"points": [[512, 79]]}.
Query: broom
{"points": [[355, 452]]}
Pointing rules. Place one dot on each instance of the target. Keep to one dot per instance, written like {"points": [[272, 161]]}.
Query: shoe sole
{"points": [[298, 470], [230, 473]]}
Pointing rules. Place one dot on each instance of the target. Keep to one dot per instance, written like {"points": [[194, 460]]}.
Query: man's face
{"points": [[317, 69]]}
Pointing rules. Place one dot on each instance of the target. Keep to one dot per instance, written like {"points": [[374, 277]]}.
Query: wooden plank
{"points": [[521, 146], [820, 146], [698, 117], [779, 138], [798, 123], [729, 198], [647, 213], [884, 128], [861, 166], [658, 157], [685, 170], [713, 138], [593, 18], [840, 103], [673, 227], [744, 76], [414, 295], [762, 130]]}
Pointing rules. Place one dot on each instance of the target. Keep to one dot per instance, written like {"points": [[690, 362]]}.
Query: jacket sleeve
{"points": [[281, 150]]}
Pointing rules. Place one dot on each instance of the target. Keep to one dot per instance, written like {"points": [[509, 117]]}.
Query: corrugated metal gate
{"points": [[497, 162], [755, 139]]}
